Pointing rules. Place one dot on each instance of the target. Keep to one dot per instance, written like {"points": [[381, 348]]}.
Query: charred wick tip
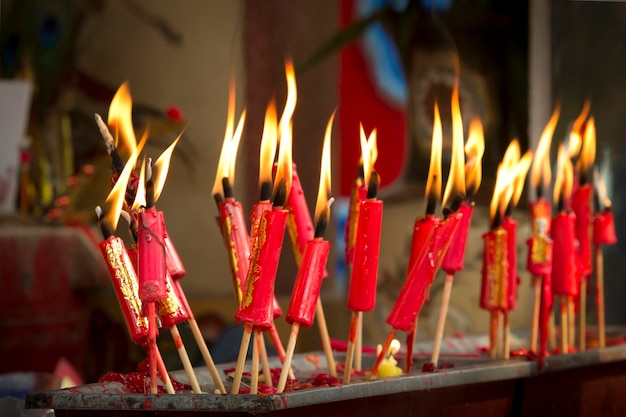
{"points": [[456, 203], [104, 226], [431, 205], [372, 187], [227, 188], [281, 194], [497, 220], [509, 210], [320, 227], [539, 191], [361, 171], [218, 199], [266, 191]]}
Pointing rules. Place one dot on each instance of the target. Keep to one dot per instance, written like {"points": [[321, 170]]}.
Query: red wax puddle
{"points": [[318, 380], [430, 367], [139, 382]]}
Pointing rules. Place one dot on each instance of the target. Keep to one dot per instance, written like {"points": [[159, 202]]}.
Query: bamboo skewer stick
{"points": [[254, 373], [564, 324], [328, 350], [571, 320], [358, 347], [165, 377], [534, 334], [280, 350], [206, 355], [493, 334], [152, 346], [291, 346], [347, 370], [582, 313], [600, 289], [410, 341], [507, 335], [184, 358], [265, 364], [441, 321], [241, 359], [551, 332]]}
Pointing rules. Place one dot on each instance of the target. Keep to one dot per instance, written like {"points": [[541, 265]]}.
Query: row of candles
{"points": [[147, 275]]}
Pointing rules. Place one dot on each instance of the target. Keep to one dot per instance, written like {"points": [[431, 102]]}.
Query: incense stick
{"points": [[254, 373], [328, 350], [206, 355], [600, 290], [184, 357], [441, 321], [291, 346], [265, 363], [241, 359], [358, 345], [165, 377], [582, 312], [564, 324], [347, 369]]}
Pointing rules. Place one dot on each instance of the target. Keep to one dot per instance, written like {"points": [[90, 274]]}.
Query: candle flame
{"points": [[588, 153], [121, 120], [321, 206], [369, 152], [601, 188], [564, 177], [140, 196], [162, 166], [115, 199], [474, 151], [268, 143], [285, 130], [540, 169], [512, 154], [285, 167], [456, 179], [519, 176], [575, 137], [223, 163], [433, 183]]}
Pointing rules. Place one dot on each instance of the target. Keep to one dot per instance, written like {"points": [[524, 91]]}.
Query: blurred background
{"points": [[381, 63]]}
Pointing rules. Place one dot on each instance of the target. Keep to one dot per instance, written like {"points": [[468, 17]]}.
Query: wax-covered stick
{"points": [[151, 262], [564, 269], [581, 204], [358, 193], [299, 223]]}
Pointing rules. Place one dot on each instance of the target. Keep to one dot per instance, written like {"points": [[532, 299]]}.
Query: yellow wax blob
{"points": [[388, 366]]}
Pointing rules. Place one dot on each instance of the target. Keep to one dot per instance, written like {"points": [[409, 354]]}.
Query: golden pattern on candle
{"points": [[497, 269], [168, 307]]}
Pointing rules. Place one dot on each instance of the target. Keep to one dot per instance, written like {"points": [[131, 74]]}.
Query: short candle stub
{"points": [[372, 187], [227, 188], [104, 226], [281, 194], [266, 191]]}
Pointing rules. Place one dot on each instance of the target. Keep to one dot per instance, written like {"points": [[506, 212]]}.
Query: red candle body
{"points": [[540, 212], [256, 303], [544, 313], [125, 284], [539, 260], [173, 263], [581, 204], [564, 262], [415, 289], [358, 194], [362, 292], [299, 223], [308, 283], [494, 293], [255, 223], [455, 257], [423, 231], [237, 242], [151, 262], [510, 226], [604, 228]]}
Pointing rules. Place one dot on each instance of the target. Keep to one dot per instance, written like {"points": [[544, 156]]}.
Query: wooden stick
{"points": [[507, 335], [582, 313], [241, 359], [564, 324], [206, 355], [381, 355], [571, 321], [165, 377], [534, 333], [278, 345], [347, 369], [265, 364], [410, 341], [152, 346], [441, 321], [600, 289], [328, 350], [291, 346], [254, 373], [493, 334], [358, 347], [551, 332], [184, 358]]}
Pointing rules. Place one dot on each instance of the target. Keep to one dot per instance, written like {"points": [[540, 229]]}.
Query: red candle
{"points": [[173, 263], [494, 294], [299, 223], [510, 226], [235, 235], [415, 289], [126, 287], [308, 283], [423, 231], [256, 303], [358, 194], [455, 256], [564, 264], [581, 204], [604, 228], [539, 260], [151, 263]]}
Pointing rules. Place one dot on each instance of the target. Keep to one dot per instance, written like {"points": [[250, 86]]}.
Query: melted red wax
{"points": [[317, 380], [430, 367], [139, 382]]}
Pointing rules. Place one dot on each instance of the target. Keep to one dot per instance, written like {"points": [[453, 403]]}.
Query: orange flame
{"points": [[512, 154], [121, 121], [474, 151], [588, 154], [541, 164], [140, 196], [285, 130], [600, 184], [564, 177], [223, 163], [372, 143], [456, 178], [268, 143], [162, 166], [321, 206], [519, 176], [285, 167], [369, 152], [115, 199], [234, 147], [499, 191], [575, 138], [433, 183]]}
